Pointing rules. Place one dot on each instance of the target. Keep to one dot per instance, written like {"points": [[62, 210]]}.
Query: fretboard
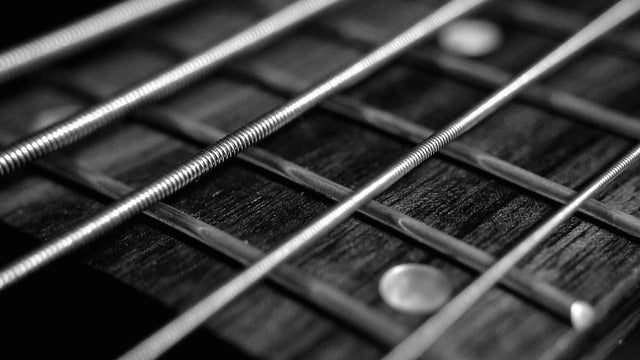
{"points": [[459, 211]]}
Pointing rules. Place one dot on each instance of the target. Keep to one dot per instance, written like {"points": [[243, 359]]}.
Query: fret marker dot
{"points": [[414, 288], [582, 315], [470, 37]]}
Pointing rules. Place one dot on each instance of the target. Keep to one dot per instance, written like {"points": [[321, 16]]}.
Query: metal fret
{"points": [[216, 154], [77, 35], [174, 331], [285, 84], [77, 127], [485, 75], [427, 334], [523, 283], [176, 124], [322, 295]]}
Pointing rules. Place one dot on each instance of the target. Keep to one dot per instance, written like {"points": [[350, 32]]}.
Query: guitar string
{"points": [[189, 320], [286, 84], [531, 288], [323, 296], [433, 329], [73, 129], [68, 39]]}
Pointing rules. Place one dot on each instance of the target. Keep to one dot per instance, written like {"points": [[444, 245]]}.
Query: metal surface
{"points": [[414, 288], [427, 334], [471, 37], [171, 333], [70, 38], [87, 122]]}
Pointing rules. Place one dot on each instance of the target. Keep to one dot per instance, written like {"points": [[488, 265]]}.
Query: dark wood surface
{"points": [[137, 277]]}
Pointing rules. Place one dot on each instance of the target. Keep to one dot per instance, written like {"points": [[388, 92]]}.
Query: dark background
{"points": [[24, 19]]}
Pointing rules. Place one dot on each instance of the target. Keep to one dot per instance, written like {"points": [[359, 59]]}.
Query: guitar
{"points": [[454, 215]]}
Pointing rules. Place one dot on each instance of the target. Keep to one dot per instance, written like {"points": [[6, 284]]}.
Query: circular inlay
{"points": [[470, 37], [414, 288], [582, 315]]}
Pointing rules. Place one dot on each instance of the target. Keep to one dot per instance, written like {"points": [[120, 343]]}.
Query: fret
{"points": [[323, 296], [178, 125], [175, 124], [87, 122], [485, 75], [394, 125], [519, 281], [583, 316], [285, 84], [73, 37], [231, 145], [188, 321]]}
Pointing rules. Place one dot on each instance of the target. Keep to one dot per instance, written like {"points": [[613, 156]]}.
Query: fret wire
{"points": [[489, 76], [537, 15], [434, 328], [75, 36], [178, 125], [485, 75], [188, 321], [218, 153], [521, 282], [392, 124], [346, 106], [325, 297], [469, 71], [285, 84], [73, 129]]}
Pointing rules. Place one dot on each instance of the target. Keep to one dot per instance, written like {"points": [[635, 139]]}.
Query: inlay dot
{"points": [[470, 37], [414, 288]]}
